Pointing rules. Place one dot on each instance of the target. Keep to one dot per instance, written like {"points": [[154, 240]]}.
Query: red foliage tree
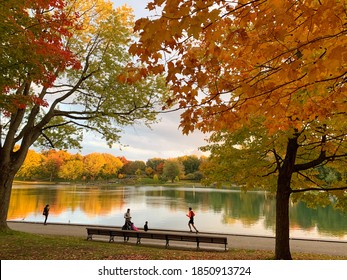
{"points": [[33, 48]]}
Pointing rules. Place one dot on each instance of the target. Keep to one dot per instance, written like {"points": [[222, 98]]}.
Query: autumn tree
{"points": [[173, 169], [63, 73], [111, 167], [71, 170], [52, 162], [93, 165], [131, 167], [32, 47], [279, 66], [191, 163], [149, 171], [31, 167], [156, 164]]}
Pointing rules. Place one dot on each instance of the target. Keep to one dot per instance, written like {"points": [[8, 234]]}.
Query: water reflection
{"points": [[226, 211]]}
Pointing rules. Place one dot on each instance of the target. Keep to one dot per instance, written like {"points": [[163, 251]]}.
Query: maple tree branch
{"points": [[308, 179], [60, 125], [296, 48], [87, 115], [319, 160], [83, 76], [72, 122], [313, 163], [17, 117], [239, 7], [92, 128], [273, 171], [48, 140], [320, 189], [56, 125]]}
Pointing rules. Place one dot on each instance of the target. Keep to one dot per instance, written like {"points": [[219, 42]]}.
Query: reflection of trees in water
{"points": [[27, 201], [327, 220], [92, 201], [245, 207], [269, 212], [248, 208], [234, 206]]}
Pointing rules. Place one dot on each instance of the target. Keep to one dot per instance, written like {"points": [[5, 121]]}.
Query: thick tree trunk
{"points": [[6, 181], [286, 170], [10, 162], [282, 248]]}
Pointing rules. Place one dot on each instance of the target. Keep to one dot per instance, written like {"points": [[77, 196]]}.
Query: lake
{"points": [[165, 207]]}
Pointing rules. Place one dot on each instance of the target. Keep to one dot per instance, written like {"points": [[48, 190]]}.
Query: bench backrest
{"points": [[98, 231], [213, 239], [159, 235]]}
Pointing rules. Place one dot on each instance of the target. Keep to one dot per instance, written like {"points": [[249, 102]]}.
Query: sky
{"points": [[163, 140]]}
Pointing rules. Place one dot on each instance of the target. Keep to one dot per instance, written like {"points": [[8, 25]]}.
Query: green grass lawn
{"points": [[16, 245]]}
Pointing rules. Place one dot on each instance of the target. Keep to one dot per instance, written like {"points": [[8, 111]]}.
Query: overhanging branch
{"points": [[320, 189]]}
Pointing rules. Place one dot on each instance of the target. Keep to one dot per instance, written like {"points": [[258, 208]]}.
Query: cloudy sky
{"points": [[163, 140]]}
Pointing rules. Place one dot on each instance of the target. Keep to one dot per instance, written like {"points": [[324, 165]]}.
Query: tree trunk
{"points": [[10, 162], [282, 248], [6, 181]]}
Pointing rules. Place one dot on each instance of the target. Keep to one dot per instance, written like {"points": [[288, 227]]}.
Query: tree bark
{"points": [[6, 181], [10, 162], [282, 247], [286, 170]]}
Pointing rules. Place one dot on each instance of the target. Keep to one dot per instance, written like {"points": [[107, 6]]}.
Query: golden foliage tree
{"points": [[280, 63], [111, 167], [31, 165]]}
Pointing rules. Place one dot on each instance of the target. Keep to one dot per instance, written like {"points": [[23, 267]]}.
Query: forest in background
{"points": [[61, 165]]}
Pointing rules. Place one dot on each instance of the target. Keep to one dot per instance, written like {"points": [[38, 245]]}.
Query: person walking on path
{"points": [[46, 213], [145, 227], [191, 215]]}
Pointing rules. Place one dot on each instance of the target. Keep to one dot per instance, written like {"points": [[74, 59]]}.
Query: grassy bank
{"points": [[25, 246]]}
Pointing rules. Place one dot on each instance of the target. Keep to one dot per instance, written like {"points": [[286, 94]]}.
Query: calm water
{"points": [[225, 211]]}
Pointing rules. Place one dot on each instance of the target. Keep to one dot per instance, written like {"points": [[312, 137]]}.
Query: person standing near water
{"points": [[145, 227], [127, 222], [127, 216], [191, 215], [45, 213]]}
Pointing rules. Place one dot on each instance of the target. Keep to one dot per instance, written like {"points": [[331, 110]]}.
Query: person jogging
{"points": [[191, 215]]}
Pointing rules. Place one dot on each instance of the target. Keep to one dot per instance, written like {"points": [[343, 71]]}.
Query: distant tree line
{"points": [[60, 165]]}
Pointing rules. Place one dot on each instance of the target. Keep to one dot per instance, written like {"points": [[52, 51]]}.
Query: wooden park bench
{"points": [[167, 236]]}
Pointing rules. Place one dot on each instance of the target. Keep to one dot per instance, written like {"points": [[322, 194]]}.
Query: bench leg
{"points": [[138, 240], [111, 238], [90, 236], [197, 245], [167, 243]]}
